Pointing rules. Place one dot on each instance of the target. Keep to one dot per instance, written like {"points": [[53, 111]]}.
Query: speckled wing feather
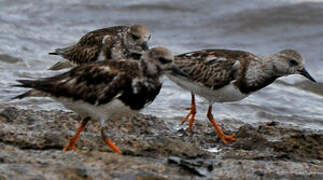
{"points": [[212, 68], [78, 56], [88, 48], [95, 83], [96, 36]]}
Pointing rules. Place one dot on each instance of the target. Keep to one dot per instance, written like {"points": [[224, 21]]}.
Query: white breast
{"points": [[226, 94], [101, 56], [112, 110]]}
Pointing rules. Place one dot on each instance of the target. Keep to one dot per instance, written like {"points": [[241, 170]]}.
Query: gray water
{"points": [[30, 29]]}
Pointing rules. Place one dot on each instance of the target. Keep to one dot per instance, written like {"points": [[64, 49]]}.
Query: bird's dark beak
{"points": [[175, 70], [306, 74], [145, 46]]}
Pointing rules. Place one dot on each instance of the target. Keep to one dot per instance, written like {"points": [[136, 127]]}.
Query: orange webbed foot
{"points": [[112, 146], [70, 145], [191, 114], [109, 142], [226, 138]]}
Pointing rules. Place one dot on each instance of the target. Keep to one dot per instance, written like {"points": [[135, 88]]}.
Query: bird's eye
{"points": [[134, 37], [164, 60], [293, 62]]}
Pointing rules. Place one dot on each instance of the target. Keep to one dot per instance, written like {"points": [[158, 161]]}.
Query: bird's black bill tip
{"points": [[175, 70], [307, 75]]}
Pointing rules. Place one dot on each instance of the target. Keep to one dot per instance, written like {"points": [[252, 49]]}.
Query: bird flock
{"points": [[114, 73]]}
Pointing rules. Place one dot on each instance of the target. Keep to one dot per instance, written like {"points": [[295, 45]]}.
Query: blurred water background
{"points": [[29, 29]]}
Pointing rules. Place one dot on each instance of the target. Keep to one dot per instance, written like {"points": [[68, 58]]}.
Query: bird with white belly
{"points": [[104, 90], [220, 75]]}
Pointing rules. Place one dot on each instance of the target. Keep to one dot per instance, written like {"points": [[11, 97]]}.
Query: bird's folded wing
{"points": [[91, 83], [95, 37], [209, 68]]}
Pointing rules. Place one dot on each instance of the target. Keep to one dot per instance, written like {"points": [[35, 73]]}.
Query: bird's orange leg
{"points": [[223, 137], [109, 142], [72, 141], [191, 113]]}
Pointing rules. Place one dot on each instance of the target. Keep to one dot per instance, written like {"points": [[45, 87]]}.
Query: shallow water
{"points": [[30, 29]]}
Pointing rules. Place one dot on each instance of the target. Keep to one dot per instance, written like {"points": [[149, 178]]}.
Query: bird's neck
{"points": [[125, 37], [149, 70], [257, 75]]}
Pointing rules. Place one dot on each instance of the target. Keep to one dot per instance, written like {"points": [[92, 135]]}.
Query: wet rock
{"points": [[31, 144], [200, 167], [301, 146], [74, 173], [8, 114]]}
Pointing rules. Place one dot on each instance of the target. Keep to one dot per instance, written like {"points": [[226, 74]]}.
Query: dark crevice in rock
{"points": [[31, 147]]}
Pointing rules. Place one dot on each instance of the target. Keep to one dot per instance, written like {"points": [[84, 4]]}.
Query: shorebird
{"points": [[105, 44], [108, 89], [220, 75]]}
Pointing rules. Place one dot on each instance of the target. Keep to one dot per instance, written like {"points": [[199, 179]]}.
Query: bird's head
{"points": [[288, 61], [137, 39], [161, 60]]}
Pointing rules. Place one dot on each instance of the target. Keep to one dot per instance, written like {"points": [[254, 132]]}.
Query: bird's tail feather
{"points": [[25, 83], [53, 53], [28, 84], [61, 65], [61, 51], [58, 51], [23, 95], [30, 93]]}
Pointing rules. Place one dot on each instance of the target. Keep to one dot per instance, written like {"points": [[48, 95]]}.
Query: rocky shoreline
{"points": [[31, 144]]}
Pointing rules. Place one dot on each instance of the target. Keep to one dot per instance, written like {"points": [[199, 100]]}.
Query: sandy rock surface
{"points": [[31, 144]]}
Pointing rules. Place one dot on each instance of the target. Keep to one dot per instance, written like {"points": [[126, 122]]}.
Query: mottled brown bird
{"points": [[105, 90], [105, 44], [220, 75]]}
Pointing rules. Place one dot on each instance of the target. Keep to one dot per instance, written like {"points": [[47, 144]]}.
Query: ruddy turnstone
{"points": [[227, 75], [108, 43], [104, 90]]}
